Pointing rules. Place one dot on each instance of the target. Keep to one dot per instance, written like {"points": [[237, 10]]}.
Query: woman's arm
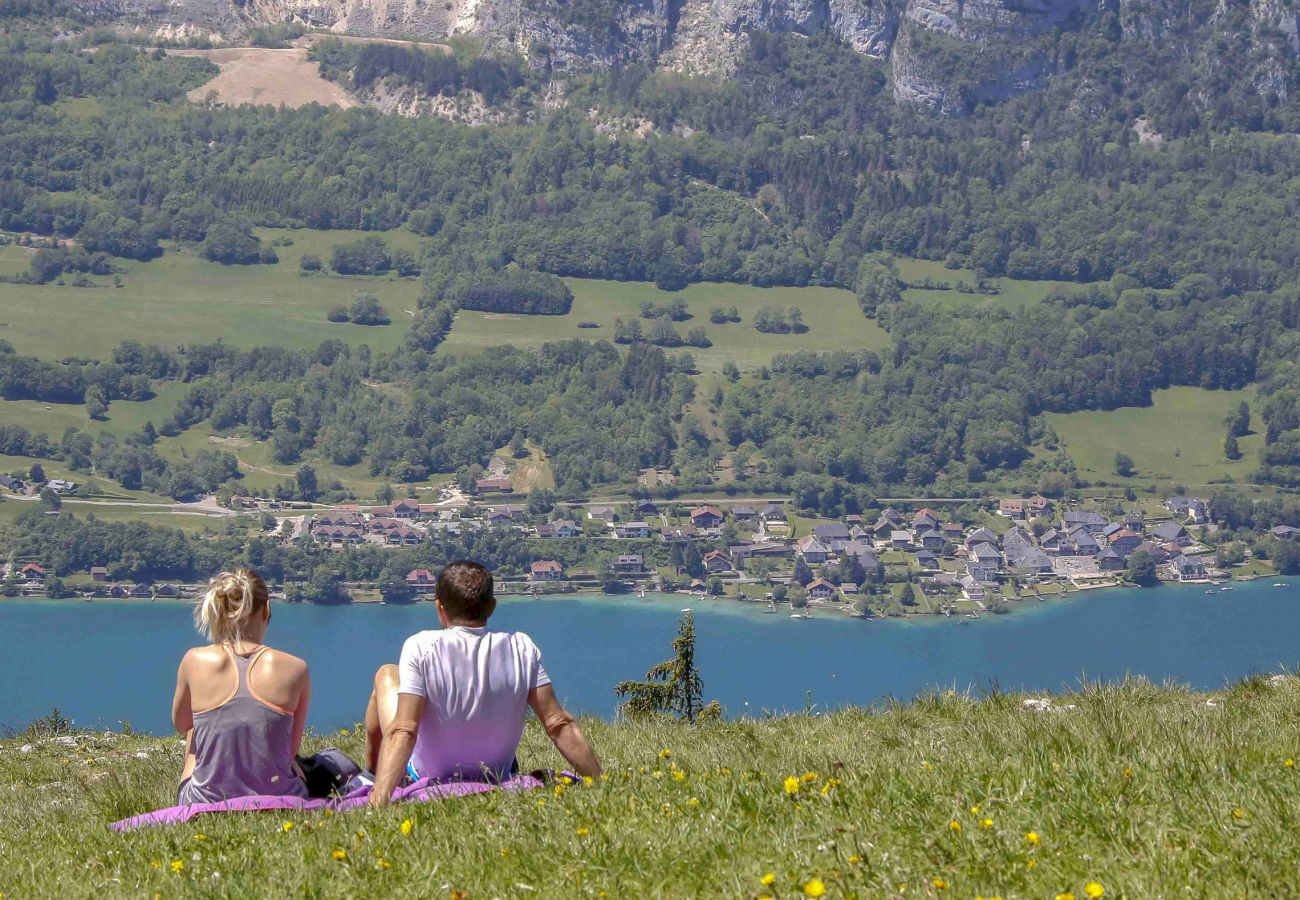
{"points": [[300, 711], [182, 709]]}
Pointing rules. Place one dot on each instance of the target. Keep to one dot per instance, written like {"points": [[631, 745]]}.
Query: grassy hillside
{"points": [[833, 318], [1136, 790], [1176, 440]]}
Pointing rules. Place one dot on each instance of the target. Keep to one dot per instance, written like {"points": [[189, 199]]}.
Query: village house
{"points": [[828, 534], [1083, 542], [861, 549], [1053, 542], [848, 587], [679, 533], [560, 528], [400, 537], [494, 485], [1029, 560], [1110, 560], [715, 562], [1157, 553], [32, 572], [119, 592], [821, 589], [1189, 568], [1192, 510], [1093, 521], [757, 548], [981, 536], [774, 515], [744, 513], [628, 530], [14, 485], [629, 564], [141, 590], [812, 550], [98, 573], [927, 560], [951, 532], [971, 588], [421, 578], [1125, 542], [1111, 530], [406, 509], [60, 486], [706, 517], [1038, 506], [984, 562], [1284, 532], [606, 514], [167, 591], [924, 519], [1012, 509], [900, 540], [1171, 533], [932, 540], [546, 570], [499, 515], [647, 508]]}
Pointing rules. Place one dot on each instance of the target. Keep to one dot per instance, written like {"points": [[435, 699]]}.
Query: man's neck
{"points": [[463, 623]]}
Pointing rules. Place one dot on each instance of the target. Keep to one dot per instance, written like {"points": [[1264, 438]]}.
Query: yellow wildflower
{"points": [[809, 777], [814, 888], [679, 775], [587, 779], [939, 884], [986, 823], [954, 826], [694, 801], [407, 826], [339, 855], [1031, 838], [360, 834], [1128, 773], [155, 864], [343, 732], [1065, 895], [665, 753], [791, 785], [541, 801], [1032, 864], [1289, 764], [854, 859], [200, 837], [382, 863], [974, 810], [583, 832], [505, 851], [768, 880], [287, 827], [1094, 890], [177, 867]]}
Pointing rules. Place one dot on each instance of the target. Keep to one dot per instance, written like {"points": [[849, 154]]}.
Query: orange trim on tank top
{"points": [[252, 693]]}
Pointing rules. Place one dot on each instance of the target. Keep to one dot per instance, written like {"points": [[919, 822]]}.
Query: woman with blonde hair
{"points": [[241, 705]]}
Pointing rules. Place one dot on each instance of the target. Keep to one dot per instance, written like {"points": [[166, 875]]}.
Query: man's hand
{"points": [[395, 751]]}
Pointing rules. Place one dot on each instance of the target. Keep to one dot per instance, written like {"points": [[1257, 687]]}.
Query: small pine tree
{"points": [[1230, 448], [673, 687]]}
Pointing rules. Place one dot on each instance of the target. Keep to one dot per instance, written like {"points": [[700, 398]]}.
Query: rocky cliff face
{"points": [[992, 43]]}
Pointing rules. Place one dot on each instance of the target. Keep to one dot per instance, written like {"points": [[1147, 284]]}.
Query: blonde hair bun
{"points": [[231, 601]]}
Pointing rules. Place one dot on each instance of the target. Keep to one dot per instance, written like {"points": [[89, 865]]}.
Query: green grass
{"points": [[1147, 791], [1176, 440], [180, 298], [833, 318], [1012, 292]]}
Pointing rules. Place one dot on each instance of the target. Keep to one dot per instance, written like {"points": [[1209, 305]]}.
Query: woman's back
{"points": [[243, 740]]}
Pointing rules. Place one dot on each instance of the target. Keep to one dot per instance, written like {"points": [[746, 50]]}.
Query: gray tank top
{"points": [[242, 747]]}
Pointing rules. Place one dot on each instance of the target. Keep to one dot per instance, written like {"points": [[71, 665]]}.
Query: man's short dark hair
{"points": [[465, 590]]}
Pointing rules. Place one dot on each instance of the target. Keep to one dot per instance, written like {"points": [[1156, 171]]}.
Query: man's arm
{"points": [[395, 751], [563, 731]]}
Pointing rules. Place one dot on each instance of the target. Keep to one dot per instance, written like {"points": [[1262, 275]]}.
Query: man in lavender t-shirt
{"points": [[454, 707]]}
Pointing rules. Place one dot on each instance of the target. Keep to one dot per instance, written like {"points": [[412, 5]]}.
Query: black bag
{"points": [[327, 772]]}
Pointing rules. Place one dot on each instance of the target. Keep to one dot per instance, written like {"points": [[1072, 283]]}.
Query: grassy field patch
{"points": [[1176, 440], [180, 298], [833, 318], [1012, 292]]}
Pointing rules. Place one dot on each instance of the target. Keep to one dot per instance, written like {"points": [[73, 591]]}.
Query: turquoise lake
{"points": [[103, 663]]}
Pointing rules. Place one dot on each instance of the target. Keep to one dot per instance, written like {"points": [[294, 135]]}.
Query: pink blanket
{"points": [[421, 792]]}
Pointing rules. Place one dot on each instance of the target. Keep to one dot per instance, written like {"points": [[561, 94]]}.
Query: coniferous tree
{"points": [[673, 688]]}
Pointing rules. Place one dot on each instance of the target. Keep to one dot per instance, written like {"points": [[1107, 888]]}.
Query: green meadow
{"points": [[833, 318], [180, 298], [1012, 293], [1124, 791], [1178, 439]]}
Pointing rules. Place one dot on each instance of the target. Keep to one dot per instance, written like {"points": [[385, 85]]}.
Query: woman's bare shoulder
{"points": [[285, 661]]}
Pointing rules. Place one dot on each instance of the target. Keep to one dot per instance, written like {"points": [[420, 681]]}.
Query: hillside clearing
{"points": [[1143, 791], [263, 76]]}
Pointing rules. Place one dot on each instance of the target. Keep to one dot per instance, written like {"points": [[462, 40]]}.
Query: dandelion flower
{"points": [[954, 826], [155, 864], [200, 837], [814, 888], [694, 801], [768, 880], [809, 777], [177, 867], [974, 810], [1289, 764], [1065, 895], [854, 859], [986, 823], [1094, 891], [583, 832], [939, 884], [343, 732], [382, 863], [505, 851], [407, 826], [791, 785], [339, 855], [665, 753], [1128, 773], [679, 775], [1239, 814], [587, 779], [1031, 838], [1032, 864]]}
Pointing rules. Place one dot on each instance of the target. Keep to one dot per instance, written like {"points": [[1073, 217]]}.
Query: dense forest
{"points": [[800, 169]]}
